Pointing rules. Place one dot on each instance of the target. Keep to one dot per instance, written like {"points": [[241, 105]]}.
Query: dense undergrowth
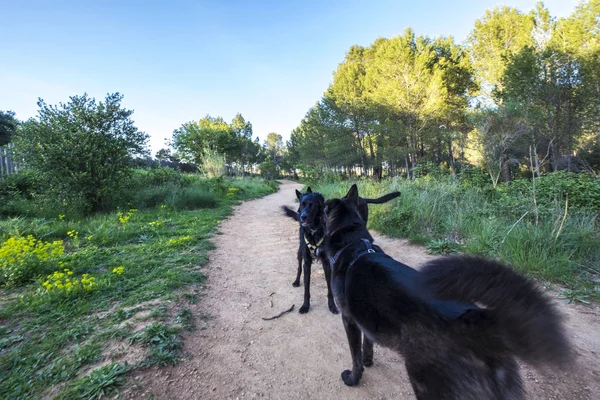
{"points": [[548, 229], [84, 300]]}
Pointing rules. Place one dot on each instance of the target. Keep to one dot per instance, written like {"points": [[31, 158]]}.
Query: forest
{"points": [[520, 96]]}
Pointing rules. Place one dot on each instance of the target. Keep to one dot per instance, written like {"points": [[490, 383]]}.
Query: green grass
{"points": [[448, 216], [81, 346]]}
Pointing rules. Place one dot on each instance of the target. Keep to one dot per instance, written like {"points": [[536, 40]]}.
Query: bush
{"points": [[213, 163], [175, 197], [582, 190], [450, 215], [83, 149], [22, 259], [269, 170], [157, 176]]}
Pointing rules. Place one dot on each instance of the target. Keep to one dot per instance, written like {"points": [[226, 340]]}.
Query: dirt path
{"points": [[236, 355]]}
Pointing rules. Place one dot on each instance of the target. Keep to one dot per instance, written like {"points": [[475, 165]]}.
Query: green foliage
{"points": [[387, 103], [101, 383], [185, 317], [520, 97], [83, 149], [8, 126], [573, 296], [211, 142], [501, 32], [268, 169], [52, 340], [213, 163], [465, 214], [24, 258], [442, 246], [163, 341], [552, 191]]}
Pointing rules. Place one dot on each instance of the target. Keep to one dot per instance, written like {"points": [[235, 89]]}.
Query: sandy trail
{"points": [[234, 354]]}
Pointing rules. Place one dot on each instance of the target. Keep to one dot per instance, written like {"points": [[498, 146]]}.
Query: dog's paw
{"points": [[368, 362], [349, 378], [304, 309], [296, 283], [333, 308]]}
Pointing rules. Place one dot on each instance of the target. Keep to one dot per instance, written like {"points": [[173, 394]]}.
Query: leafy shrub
{"points": [[474, 177], [213, 163], [25, 183], [175, 197], [583, 190], [24, 258], [83, 149], [192, 198], [430, 169], [217, 186], [157, 176], [269, 170]]}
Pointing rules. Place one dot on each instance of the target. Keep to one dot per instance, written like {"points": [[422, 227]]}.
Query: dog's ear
{"points": [[298, 195], [308, 190], [352, 194]]}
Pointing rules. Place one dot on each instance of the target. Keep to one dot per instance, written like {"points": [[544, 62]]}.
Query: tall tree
{"points": [[274, 146], [405, 81], [500, 33], [193, 138], [348, 93], [241, 127], [8, 126]]}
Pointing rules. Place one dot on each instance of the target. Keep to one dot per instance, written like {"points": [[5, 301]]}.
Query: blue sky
{"points": [[177, 61]]}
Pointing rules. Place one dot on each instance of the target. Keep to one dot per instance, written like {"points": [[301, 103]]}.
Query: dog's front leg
{"points": [[296, 283], [351, 378], [306, 305]]}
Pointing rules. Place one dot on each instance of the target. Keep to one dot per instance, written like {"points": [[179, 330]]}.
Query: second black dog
{"points": [[312, 229], [453, 348]]}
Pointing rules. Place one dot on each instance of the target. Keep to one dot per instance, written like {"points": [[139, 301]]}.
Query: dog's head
{"points": [[310, 209], [343, 212]]}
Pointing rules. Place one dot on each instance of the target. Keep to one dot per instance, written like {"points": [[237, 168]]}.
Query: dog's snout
{"points": [[303, 217]]}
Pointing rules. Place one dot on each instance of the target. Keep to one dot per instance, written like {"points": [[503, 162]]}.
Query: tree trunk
{"points": [[554, 157], [505, 171], [451, 158]]}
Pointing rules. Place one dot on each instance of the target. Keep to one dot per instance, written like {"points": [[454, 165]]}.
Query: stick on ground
{"points": [[280, 314]]}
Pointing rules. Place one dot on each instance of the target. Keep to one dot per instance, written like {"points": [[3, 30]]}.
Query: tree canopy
{"points": [[232, 140], [410, 99], [84, 148]]}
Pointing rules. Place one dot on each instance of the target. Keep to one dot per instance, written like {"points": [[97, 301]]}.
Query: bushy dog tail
{"points": [[382, 199], [290, 213], [533, 326]]}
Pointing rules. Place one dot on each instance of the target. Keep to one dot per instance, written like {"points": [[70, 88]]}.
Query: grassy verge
{"points": [[550, 242], [74, 320]]}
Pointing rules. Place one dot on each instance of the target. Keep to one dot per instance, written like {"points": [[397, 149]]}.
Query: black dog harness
{"points": [[365, 242]]}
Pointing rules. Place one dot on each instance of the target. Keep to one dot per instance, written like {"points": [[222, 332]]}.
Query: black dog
{"points": [[312, 228], [363, 205], [453, 348], [312, 232]]}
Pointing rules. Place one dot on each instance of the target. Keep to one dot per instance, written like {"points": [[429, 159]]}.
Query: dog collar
{"points": [[369, 250]]}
